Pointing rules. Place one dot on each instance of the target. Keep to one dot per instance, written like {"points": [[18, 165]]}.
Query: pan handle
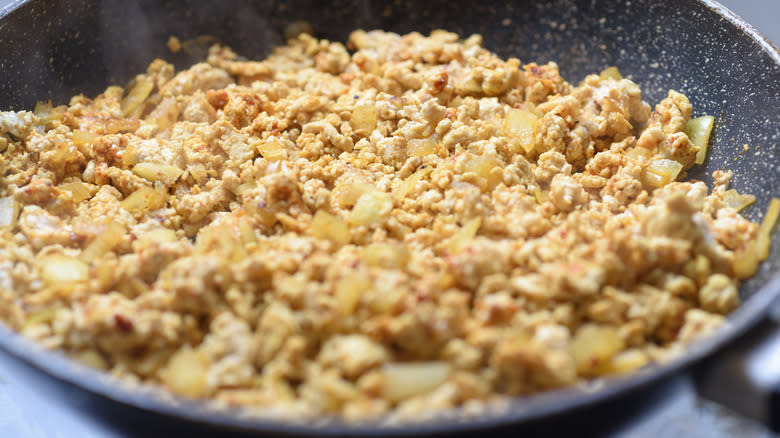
{"points": [[745, 376]]}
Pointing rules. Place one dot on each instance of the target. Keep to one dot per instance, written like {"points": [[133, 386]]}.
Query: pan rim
{"points": [[746, 27], [10, 7], [520, 410]]}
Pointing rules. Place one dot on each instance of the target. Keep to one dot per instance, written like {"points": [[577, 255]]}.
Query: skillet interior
{"points": [[52, 49]]}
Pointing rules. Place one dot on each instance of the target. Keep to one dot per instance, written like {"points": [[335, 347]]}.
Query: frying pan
{"points": [[52, 49]]}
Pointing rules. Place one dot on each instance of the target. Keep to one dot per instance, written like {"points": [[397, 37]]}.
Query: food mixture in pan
{"points": [[397, 226]]}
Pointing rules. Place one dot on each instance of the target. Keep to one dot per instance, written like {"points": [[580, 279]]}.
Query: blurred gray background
{"points": [[764, 15]]}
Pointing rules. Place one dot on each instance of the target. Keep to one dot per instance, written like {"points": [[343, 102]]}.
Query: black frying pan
{"points": [[52, 49]]}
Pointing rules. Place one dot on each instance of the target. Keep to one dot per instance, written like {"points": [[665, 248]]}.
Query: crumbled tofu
{"points": [[412, 225]]}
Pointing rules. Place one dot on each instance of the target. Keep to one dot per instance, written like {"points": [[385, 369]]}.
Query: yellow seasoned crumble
{"points": [[404, 227]]}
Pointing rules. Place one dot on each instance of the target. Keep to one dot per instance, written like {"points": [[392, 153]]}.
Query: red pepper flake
{"points": [[122, 323]]}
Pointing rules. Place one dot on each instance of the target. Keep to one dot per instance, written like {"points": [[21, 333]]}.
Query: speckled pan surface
{"points": [[51, 49]]}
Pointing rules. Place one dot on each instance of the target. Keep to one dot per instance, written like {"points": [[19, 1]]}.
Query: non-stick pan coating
{"points": [[52, 49]]}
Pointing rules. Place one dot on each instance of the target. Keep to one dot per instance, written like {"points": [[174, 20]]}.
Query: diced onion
{"points": [[371, 208], [465, 235], [346, 195], [627, 362], [228, 239], [59, 270], [84, 138], [350, 288], [242, 188], [698, 131], [92, 359], [611, 73], [262, 215], [144, 199], [407, 185], [746, 262], [470, 85], [737, 201], [327, 226], [115, 126], [272, 150], [159, 235], [660, 172], [421, 147], [386, 255], [639, 154], [483, 166], [765, 230], [541, 196], [166, 173], [405, 380], [593, 347], [520, 127], [246, 232], [107, 240], [186, 373], [9, 211], [165, 114], [47, 113], [132, 104], [39, 317], [363, 119], [78, 190]]}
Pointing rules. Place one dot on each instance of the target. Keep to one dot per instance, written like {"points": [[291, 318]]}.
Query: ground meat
{"points": [[397, 226]]}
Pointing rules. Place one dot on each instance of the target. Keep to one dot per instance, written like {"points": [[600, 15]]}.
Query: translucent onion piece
{"points": [[326, 226], [421, 147], [465, 235], [404, 380], [746, 261], [483, 166], [520, 127], [272, 150], [407, 185], [132, 104], [78, 190], [698, 131], [166, 173], [9, 212], [58, 270], [660, 172], [186, 373], [611, 73], [349, 290], [765, 230], [363, 119], [144, 199], [593, 348], [106, 241], [737, 201], [371, 208]]}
